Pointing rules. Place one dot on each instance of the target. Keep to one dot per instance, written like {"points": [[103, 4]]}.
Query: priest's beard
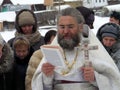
{"points": [[69, 44]]}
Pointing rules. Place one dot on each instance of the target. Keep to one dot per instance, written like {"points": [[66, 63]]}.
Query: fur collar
{"points": [[6, 61]]}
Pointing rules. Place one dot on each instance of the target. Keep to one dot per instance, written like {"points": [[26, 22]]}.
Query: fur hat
{"points": [[26, 18], [110, 31]]}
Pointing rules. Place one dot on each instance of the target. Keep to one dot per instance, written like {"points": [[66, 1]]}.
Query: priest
{"points": [[84, 69]]}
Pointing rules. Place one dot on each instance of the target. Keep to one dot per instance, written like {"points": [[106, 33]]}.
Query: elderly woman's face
{"points": [[1, 47], [109, 41]]}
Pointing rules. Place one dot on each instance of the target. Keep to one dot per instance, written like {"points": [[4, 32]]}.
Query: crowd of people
{"points": [[23, 66]]}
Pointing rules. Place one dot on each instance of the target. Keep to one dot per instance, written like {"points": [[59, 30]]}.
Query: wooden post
{"points": [[48, 2], [1, 25]]}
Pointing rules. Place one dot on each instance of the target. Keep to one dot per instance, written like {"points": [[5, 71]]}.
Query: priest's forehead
{"points": [[73, 13]]}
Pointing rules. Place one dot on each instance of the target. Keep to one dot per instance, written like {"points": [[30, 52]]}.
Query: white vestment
{"points": [[106, 72]]}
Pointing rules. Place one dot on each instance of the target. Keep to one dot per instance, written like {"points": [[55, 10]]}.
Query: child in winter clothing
{"points": [[22, 54]]}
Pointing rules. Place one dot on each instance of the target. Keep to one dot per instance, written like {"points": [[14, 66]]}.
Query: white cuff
{"points": [[47, 80]]}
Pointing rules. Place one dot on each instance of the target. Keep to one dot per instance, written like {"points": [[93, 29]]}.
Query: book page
{"points": [[53, 56]]}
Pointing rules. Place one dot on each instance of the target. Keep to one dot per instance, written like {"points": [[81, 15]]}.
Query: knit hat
{"points": [[110, 31], [26, 18]]}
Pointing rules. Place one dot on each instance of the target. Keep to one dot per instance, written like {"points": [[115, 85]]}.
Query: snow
{"points": [[24, 2], [70, 0], [113, 7], [97, 23], [7, 35], [62, 7], [8, 16], [1, 2]]}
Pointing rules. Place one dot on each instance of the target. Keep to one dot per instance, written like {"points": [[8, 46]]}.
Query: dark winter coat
{"points": [[20, 68], [115, 53], [6, 69], [114, 50], [35, 39]]}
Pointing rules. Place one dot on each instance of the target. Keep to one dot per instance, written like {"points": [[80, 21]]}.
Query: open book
{"points": [[53, 55]]}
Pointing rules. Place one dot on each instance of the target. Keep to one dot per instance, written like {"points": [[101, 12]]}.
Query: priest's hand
{"points": [[88, 74], [48, 69]]}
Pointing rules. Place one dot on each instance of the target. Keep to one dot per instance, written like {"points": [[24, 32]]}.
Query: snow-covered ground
{"points": [[97, 23], [8, 16], [24, 2]]}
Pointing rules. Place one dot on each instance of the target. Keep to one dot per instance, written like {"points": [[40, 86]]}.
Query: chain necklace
{"points": [[69, 65]]}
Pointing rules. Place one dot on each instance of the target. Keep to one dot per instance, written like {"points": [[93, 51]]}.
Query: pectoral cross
{"points": [[86, 48]]}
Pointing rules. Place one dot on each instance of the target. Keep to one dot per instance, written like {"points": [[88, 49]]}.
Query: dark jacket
{"points": [[114, 50], [35, 39], [115, 53], [6, 69], [20, 68]]}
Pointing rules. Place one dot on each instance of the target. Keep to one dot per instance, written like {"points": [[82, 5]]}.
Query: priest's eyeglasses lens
{"points": [[65, 27]]}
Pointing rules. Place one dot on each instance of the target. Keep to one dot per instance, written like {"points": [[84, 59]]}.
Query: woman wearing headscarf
{"points": [[26, 25]]}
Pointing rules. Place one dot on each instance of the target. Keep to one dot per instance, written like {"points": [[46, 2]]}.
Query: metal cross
{"points": [[86, 48]]}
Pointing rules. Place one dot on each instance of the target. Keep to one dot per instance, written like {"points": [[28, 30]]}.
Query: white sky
{"points": [[97, 23]]}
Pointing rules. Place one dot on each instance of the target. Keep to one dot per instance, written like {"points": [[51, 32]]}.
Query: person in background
{"points": [[76, 73], [6, 66], [36, 58], [113, 25], [26, 25], [110, 38], [22, 54], [88, 15], [115, 17], [49, 36]]}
